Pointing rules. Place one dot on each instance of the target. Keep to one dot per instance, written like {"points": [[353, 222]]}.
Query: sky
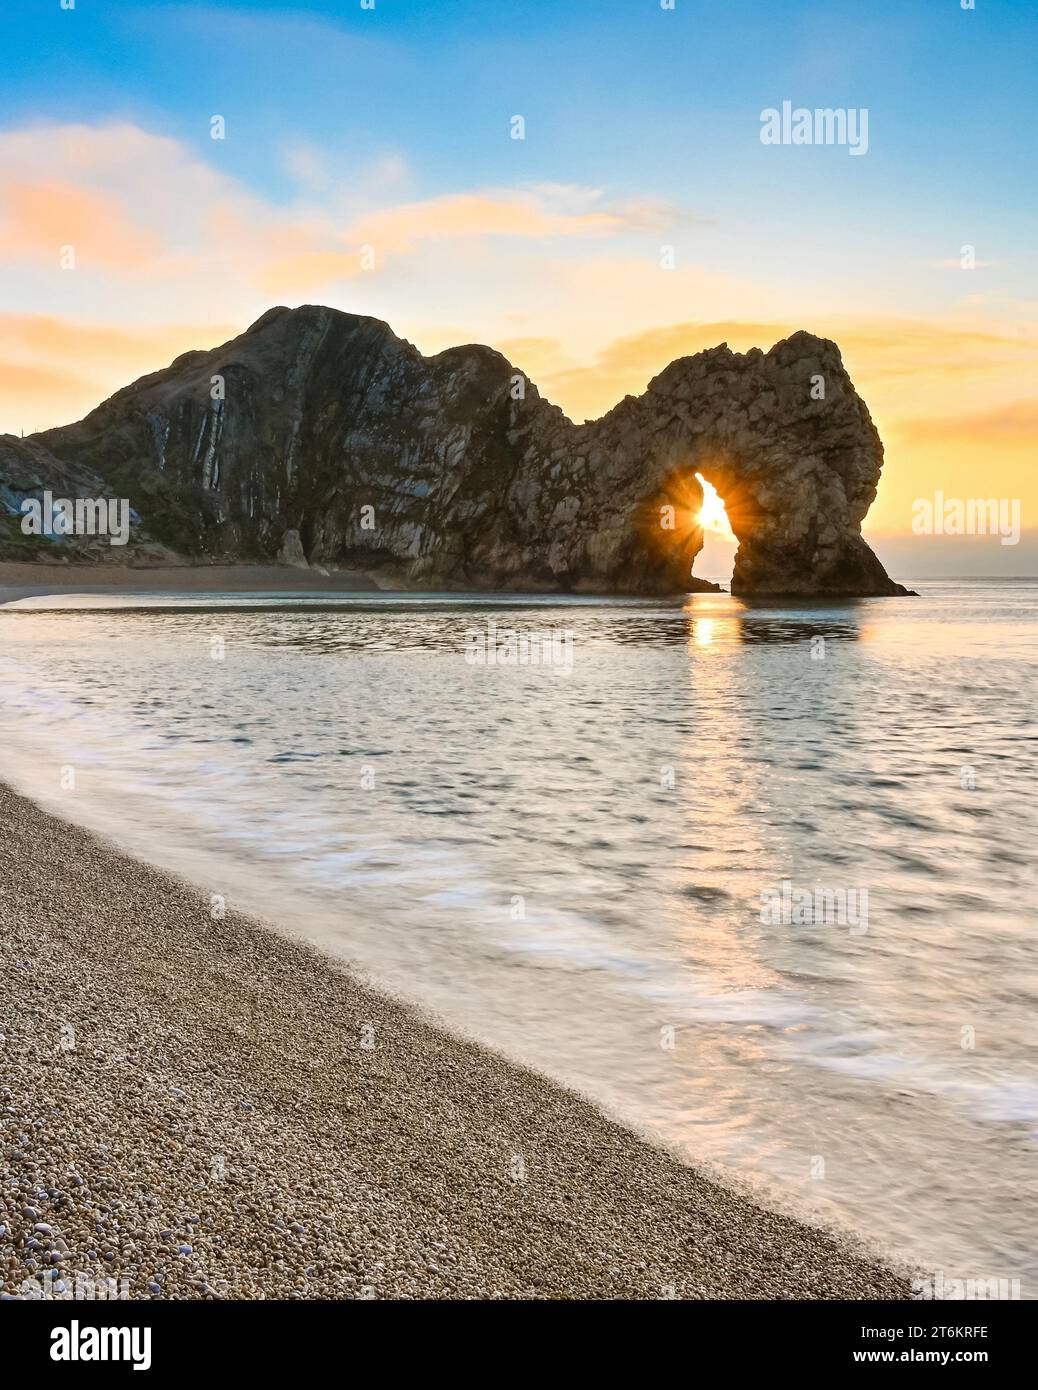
{"points": [[368, 162]]}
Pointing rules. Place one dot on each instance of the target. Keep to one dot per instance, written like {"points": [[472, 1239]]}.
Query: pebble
{"points": [[382, 1163]]}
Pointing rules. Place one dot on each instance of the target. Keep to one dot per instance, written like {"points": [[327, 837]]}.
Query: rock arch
{"points": [[329, 416]]}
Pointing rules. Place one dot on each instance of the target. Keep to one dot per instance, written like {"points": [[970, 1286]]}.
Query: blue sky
{"points": [[610, 84], [616, 93]]}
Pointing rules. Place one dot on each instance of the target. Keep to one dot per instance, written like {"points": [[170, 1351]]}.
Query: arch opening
{"points": [[692, 528], [716, 559]]}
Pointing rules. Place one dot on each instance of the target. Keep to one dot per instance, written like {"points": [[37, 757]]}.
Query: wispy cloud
{"points": [[53, 370], [130, 202], [41, 218], [956, 263], [537, 214], [1016, 423]]}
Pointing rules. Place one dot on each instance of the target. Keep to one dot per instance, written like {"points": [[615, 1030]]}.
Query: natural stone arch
{"points": [[797, 473], [327, 414]]}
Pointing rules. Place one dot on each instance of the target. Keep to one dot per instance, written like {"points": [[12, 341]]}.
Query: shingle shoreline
{"points": [[204, 1108]]}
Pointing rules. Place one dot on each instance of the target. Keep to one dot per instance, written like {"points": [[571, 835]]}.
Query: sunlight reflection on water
{"points": [[566, 865]]}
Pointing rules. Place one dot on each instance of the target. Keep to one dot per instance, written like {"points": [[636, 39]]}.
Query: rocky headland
{"points": [[319, 438]]}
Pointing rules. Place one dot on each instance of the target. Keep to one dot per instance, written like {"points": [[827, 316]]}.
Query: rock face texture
{"points": [[27, 469], [324, 438]]}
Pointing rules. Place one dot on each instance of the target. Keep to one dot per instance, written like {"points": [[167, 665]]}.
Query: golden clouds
{"points": [[55, 370], [130, 202], [40, 218], [465, 215], [1016, 423]]}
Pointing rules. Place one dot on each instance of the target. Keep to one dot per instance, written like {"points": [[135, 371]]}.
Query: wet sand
{"points": [[25, 580]]}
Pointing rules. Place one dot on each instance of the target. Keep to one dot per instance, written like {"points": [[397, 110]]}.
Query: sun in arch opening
{"points": [[712, 515]]}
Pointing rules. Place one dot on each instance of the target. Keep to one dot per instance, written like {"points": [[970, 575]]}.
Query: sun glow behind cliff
{"points": [[712, 515]]}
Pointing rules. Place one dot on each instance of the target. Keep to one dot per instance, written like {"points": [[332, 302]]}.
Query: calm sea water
{"points": [[568, 861]]}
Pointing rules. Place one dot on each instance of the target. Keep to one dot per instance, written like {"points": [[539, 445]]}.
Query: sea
{"points": [[757, 878]]}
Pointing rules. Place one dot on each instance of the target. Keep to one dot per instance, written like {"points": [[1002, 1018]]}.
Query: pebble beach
{"points": [[195, 1106]]}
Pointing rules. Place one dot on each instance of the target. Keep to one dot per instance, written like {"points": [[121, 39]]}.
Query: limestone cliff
{"points": [[323, 435]]}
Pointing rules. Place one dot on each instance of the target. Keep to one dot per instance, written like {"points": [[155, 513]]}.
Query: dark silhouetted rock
{"points": [[324, 438]]}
